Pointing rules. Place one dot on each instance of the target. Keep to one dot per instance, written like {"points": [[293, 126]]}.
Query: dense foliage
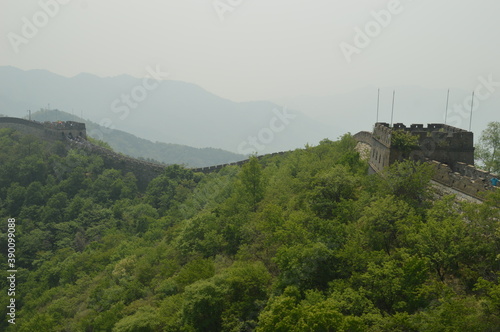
{"points": [[403, 140], [488, 150], [306, 241]]}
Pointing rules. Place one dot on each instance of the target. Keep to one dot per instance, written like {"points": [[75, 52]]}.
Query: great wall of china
{"points": [[448, 148], [74, 134]]}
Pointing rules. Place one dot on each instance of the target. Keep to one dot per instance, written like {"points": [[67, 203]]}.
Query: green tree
{"points": [[311, 266], [15, 199], [403, 141], [288, 313], [443, 239], [53, 211], [34, 194], [204, 304], [408, 180], [203, 234], [331, 188], [252, 181], [488, 149], [146, 319], [160, 193], [384, 221]]}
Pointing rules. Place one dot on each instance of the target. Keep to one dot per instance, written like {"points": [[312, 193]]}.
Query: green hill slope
{"points": [[137, 147], [304, 241]]}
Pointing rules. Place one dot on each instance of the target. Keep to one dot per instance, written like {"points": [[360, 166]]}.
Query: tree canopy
{"points": [[488, 149], [305, 241]]}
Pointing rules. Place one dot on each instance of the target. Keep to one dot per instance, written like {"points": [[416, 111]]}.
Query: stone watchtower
{"points": [[66, 129], [440, 142]]}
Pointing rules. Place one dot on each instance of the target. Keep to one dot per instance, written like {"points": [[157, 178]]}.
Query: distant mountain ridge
{"points": [[171, 111], [137, 147]]}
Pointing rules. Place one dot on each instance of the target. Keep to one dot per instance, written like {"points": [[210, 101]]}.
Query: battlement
{"points": [[448, 137], [437, 141], [465, 178], [437, 131], [70, 129], [449, 149], [64, 125]]}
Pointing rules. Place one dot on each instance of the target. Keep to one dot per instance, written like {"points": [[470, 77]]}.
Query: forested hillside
{"points": [[136, 147], [305, 241]]}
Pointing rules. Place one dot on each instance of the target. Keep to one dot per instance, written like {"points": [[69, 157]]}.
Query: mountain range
{"points": [[134, 146], [183, 113], [163, 111]]}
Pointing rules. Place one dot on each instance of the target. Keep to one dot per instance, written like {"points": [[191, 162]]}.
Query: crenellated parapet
{"points": [[382, 133], [210, 169], [443, 136], [449, 149], [437, 141], [67, 129], [466, 179]]}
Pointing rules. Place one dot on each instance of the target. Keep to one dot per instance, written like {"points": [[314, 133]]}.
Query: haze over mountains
{"points": [[184, 113], [171, 112]]}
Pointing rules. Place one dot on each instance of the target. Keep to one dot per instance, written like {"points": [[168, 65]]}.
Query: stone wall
{"points": [[24, 126], [473, 172], [462, 182], [437, 141], [440, 142], [216, 168], [440, 145], [447, 141], [364, 137], [65, 129], [74, 134], [45, 130], [381, 147], [143, 171]]}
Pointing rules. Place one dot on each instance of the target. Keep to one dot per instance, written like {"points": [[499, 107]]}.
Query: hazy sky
{"points": [[260, 49]]}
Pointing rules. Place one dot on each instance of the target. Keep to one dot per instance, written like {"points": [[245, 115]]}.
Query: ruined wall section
{"points": [[364, 137], [46, 130]]}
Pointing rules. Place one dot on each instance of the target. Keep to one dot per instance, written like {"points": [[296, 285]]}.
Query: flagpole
{"points": [[446, 113], [378, 103], [392, 112], [471, 108]]}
